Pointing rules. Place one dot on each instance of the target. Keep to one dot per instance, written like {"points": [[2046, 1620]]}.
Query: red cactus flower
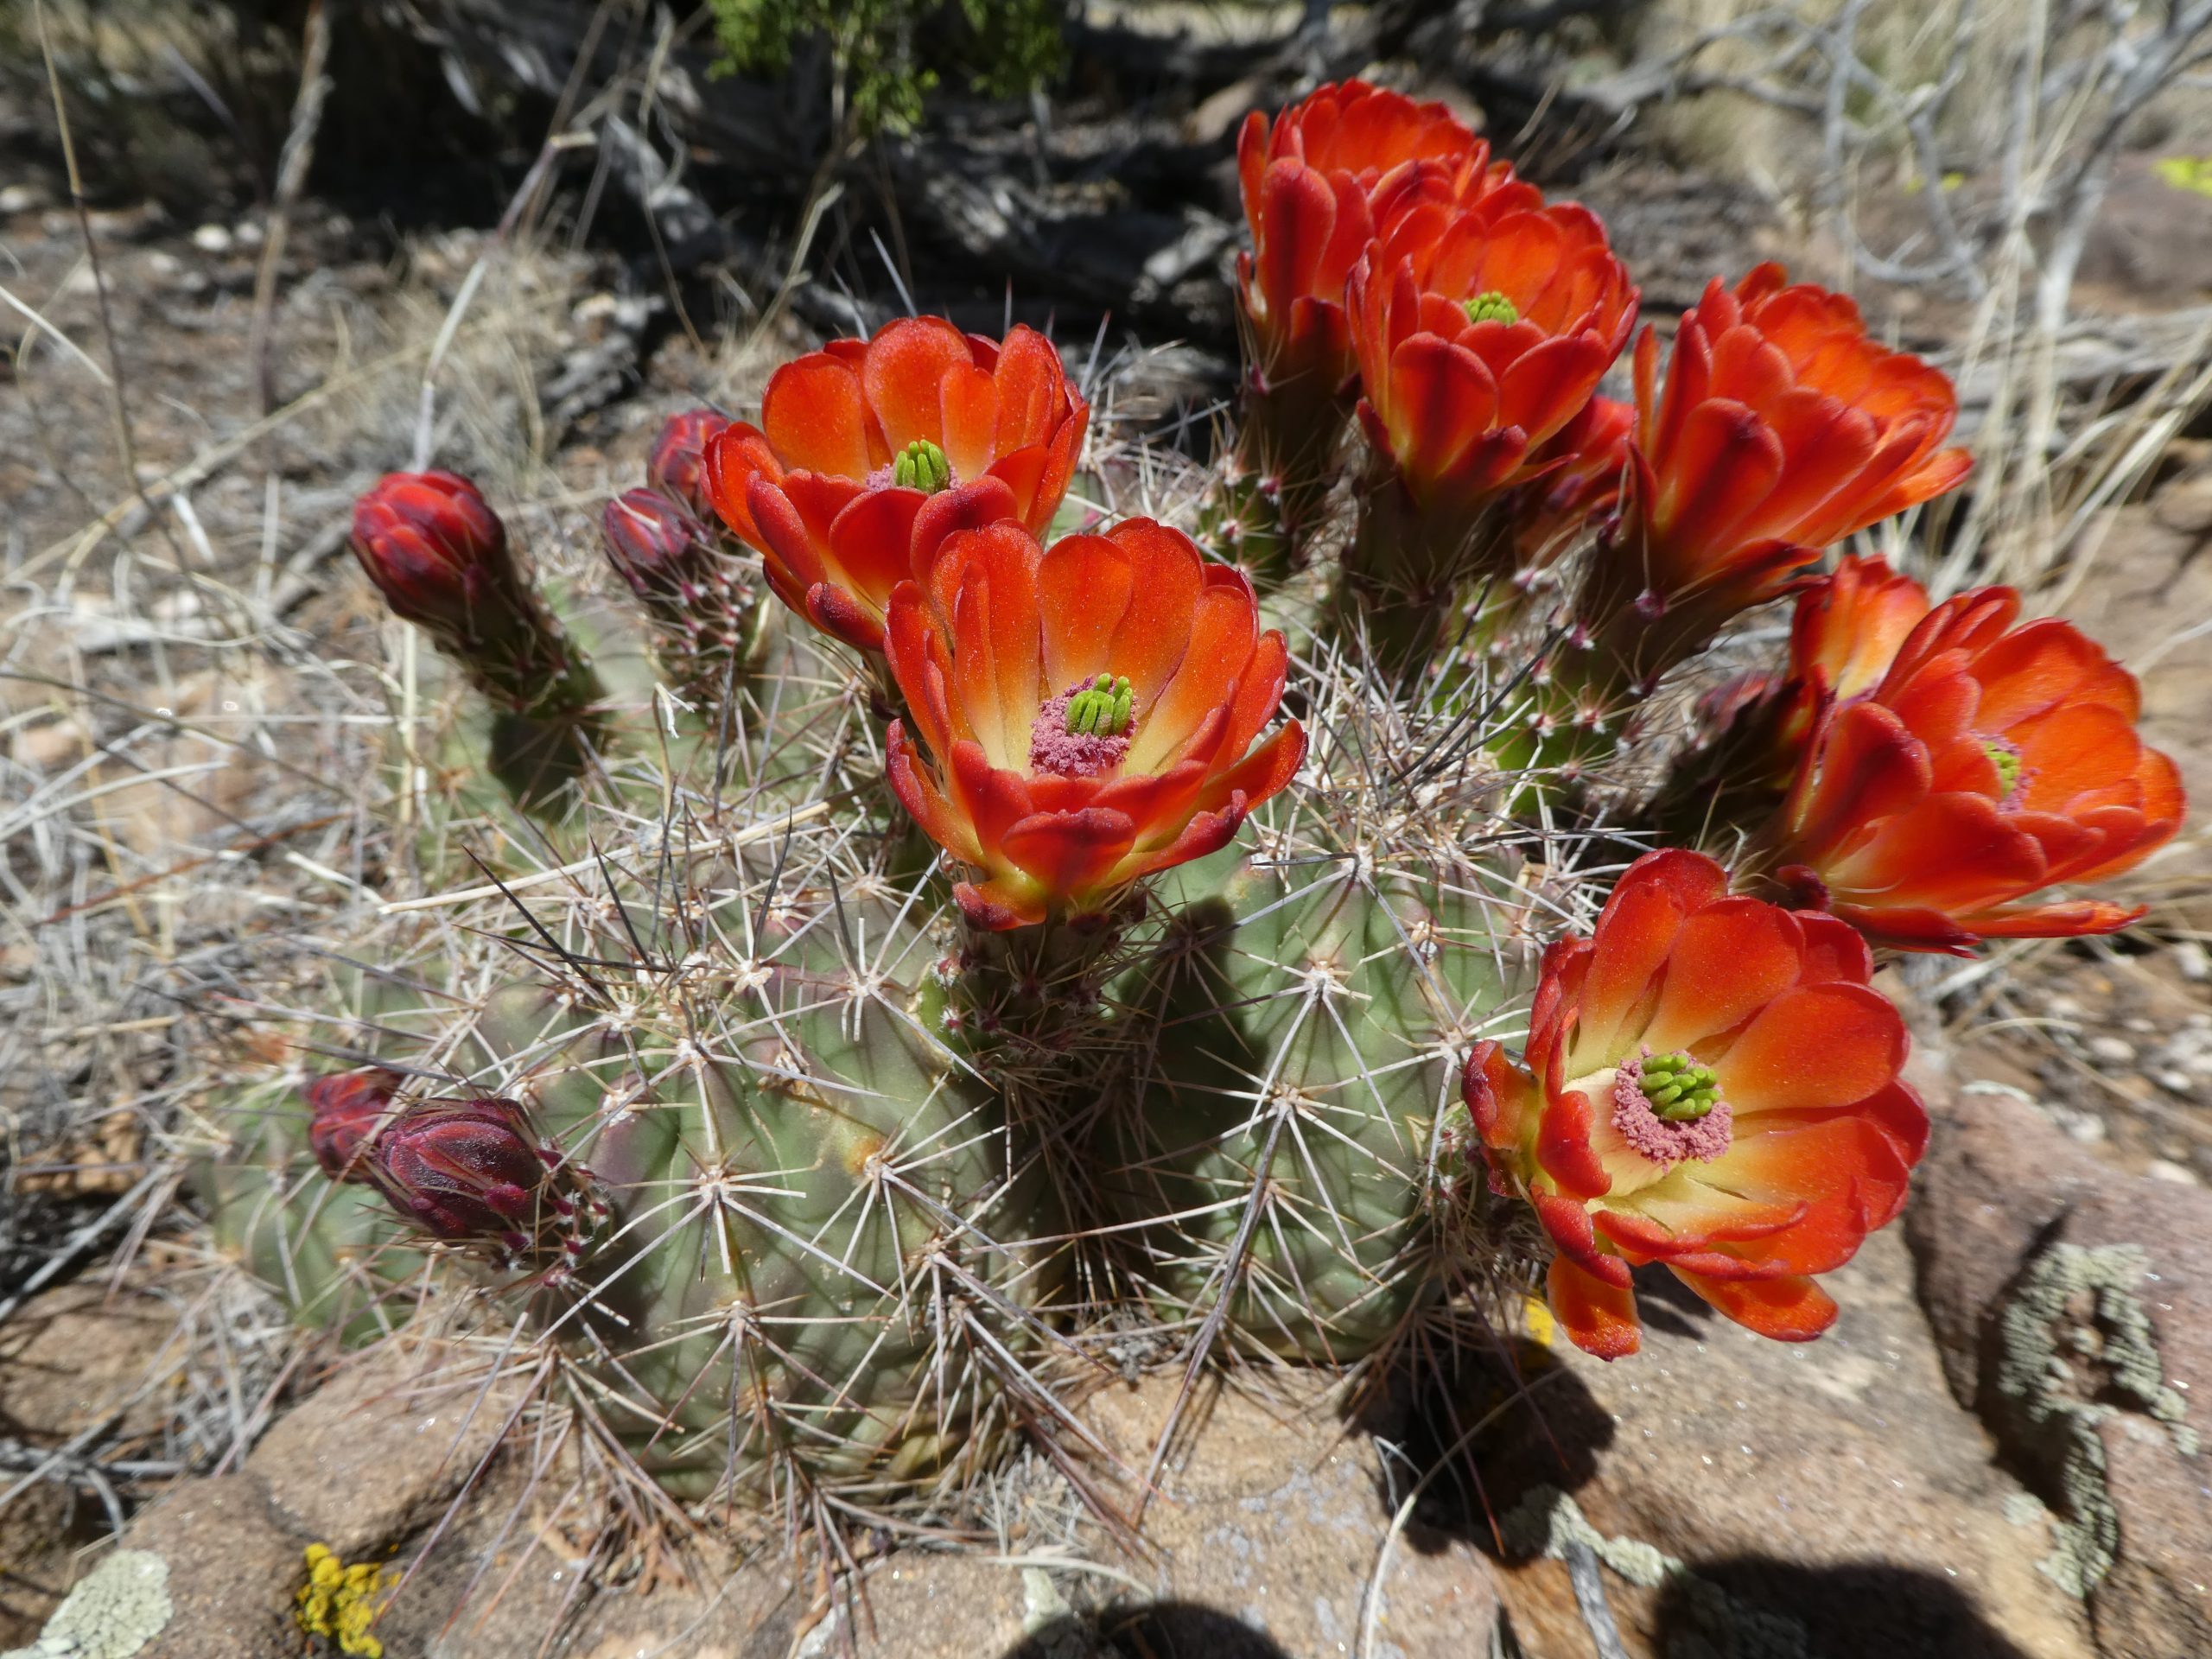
{"points": [[868, 453], [1714, 1087], [1317, 182], [343, 1111], [469, 1170], [438, 553], [1753, 728], [1481, 339], [1782, 429], [677, 466], [1088, 712], [1849, 627], [1990, 761]]}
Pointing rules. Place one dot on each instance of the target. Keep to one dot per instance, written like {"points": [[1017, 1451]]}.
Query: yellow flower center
{"points": [[1104, 709], [2002, 757], [1491, 305], [922, 465]]}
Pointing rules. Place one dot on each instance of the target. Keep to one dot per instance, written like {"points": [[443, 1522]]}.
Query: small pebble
{"points": [[2191, 961], [2113, 1050], [22, 198], [2178, 1082], [2161, 1169], [212, 238]]}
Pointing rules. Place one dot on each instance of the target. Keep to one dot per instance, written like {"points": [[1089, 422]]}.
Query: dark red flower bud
{"points": [[656, 547], [436, 552], [343, 1111], [677, 467], [466, 1169]]}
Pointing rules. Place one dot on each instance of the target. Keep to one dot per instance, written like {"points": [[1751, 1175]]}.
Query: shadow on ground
{"points": [[1165, 1629], [1872, 1611]]}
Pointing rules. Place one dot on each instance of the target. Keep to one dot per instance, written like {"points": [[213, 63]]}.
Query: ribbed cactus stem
{"points": [[1418, 579], [1273, 487]]}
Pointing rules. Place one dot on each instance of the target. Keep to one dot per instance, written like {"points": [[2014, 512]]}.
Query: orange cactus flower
{"points": [[1088, 712], [868, 453], [1990, 761], [1781, 429], [1318, 181], [1849, 627], [1713, 1084], [1480, 338]]}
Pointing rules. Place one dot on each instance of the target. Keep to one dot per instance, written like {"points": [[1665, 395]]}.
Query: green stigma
{"points": [[1491, 305], [922, 465], [1102, 708], [1679, 1089], [2008, 768]]}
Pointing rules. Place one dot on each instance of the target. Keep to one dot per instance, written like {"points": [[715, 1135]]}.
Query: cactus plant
{"points": [[994, 941]]}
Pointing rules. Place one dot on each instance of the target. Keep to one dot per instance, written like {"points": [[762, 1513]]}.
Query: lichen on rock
{"points": [[112, 1614], [2074, 1335]]}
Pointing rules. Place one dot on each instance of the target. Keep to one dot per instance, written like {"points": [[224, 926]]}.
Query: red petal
{"points": [[1083, 586], [732, 458], [918, 792], [1166, 572], [869, 544], [974, 506], [1816, 1046], [1729, 961], [1069, 852], [1787, 1309], [903, 375], [1224, 631], [1598, 1319], [815, 415]]}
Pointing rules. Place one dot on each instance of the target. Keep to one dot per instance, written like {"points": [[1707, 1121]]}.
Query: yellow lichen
{"points": [[340, 1603], [2192, 173]]}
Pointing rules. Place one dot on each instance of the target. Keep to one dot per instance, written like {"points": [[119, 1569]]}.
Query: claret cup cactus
{"points": [[934, 948]]}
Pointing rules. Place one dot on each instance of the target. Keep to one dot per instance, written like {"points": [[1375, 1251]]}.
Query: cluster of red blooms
{"points": [[1710, 1082]]}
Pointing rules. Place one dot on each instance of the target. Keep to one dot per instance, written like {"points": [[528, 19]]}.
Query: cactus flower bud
{"points": [[441, 557], [677, 466], [435, 551], [466, 1169], [343, 1111], [656, 546]]}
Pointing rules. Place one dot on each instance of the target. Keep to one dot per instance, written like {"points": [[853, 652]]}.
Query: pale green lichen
{"points": [[114, 1613], [1548, 1522], [2075, 1335]]}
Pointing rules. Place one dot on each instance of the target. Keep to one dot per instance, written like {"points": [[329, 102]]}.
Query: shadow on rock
{"points": [[1754, 1605], [1477, 1425], [1161, 1630], [1667, 1304]]}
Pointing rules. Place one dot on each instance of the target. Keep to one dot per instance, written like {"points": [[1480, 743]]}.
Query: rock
{"points": [[378, 1452], [1275, 1516], [1829, 1495], [232, 1571], [87, 1356], [113, 1613], [2073, 1307]]}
